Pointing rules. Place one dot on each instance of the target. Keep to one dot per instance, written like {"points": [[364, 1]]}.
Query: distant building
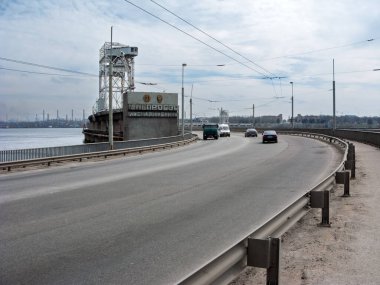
{"points": [[269, 119]]}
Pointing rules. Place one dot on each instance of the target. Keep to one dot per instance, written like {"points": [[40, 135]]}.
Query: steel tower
{"points": [[122, 58]]}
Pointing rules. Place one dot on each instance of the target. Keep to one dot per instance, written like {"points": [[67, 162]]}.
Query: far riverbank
{"points": [[23, 138]]}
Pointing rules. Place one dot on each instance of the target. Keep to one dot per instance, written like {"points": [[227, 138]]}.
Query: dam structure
{"points": [[136, 115]]}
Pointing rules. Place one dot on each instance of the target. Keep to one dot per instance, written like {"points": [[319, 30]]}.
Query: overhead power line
{"points": [[146, 83], [207, 34], [213, 101], [195, 38], [46, 66], [322, 49], [36, 72]]}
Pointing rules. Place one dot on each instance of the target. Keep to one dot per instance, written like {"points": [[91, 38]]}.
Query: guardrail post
{"points": [[321, 199], [265, 253], [351, 159], [350, 164], [343, 177]]}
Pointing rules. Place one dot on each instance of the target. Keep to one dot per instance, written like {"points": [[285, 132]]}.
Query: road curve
{"points": [[149, 219]]}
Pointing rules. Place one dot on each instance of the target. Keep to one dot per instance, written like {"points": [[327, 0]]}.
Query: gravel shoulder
{"points": [[348, 252]]}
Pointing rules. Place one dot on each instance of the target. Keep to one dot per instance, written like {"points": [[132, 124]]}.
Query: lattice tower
{"points": [[122, 58]]}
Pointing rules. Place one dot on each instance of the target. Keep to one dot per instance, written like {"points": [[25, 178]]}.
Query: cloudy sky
{"points": [[265, 45]]}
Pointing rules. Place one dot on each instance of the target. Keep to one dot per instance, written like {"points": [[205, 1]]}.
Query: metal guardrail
{"points": [[123, 148], [371, 137], [368, 136], [37, 153], [260, 248]]}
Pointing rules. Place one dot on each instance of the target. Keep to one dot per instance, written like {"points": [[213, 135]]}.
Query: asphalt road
{"points": [[148, 219]]}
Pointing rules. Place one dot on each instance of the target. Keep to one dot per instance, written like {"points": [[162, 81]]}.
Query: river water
{"points": [[35, 138]]}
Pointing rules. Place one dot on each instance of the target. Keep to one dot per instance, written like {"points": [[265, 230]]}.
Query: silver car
{"points": [[250, 133]]}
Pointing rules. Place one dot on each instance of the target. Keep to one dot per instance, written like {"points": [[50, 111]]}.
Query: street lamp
{"points": [[376, 69], [291, 82], [183, 103], [191, 110], [334, 106], [110, 95], [253, 115]]}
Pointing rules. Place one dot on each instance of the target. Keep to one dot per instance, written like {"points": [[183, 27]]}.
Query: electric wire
{"points": [[290, 55], [319, 50], [213, 101], [195, 38], [41, 73], [207, 34], [197, 81], [274, 88], [46, 66]]}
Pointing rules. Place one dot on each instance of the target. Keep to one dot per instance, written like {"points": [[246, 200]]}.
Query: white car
{"points": [[224, 130]]}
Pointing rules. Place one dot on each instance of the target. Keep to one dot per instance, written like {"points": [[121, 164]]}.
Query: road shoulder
{"points": [[346, 253]]}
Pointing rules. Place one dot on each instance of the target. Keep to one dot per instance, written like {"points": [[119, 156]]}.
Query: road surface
{"points": [[152, 218]]}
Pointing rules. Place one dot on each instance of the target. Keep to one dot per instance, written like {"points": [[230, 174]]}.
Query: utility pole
{"points": [[191, 110], [110, 111], [291, 82], [183, 103], [253, 115], [334, 118]]}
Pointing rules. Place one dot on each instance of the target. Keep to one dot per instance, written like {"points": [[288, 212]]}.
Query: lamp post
{"points": [[191, 110], [110, 93], [253, 115], [334, 116], [183, 103], [291, 82]]}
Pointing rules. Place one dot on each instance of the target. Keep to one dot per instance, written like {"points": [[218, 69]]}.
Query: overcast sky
{"points": [[294, 40]]}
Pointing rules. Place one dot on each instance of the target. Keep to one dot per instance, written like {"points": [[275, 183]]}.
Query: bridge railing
{"points": [[365, 136], [46, 152], [368, 137], [261, 247]]}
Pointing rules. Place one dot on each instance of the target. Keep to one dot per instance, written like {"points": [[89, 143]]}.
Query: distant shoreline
{"points": [[52, 127], [43, 124]]}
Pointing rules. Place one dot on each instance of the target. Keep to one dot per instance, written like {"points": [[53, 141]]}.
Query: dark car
{"points": [[270, 136], [250, 133]]}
